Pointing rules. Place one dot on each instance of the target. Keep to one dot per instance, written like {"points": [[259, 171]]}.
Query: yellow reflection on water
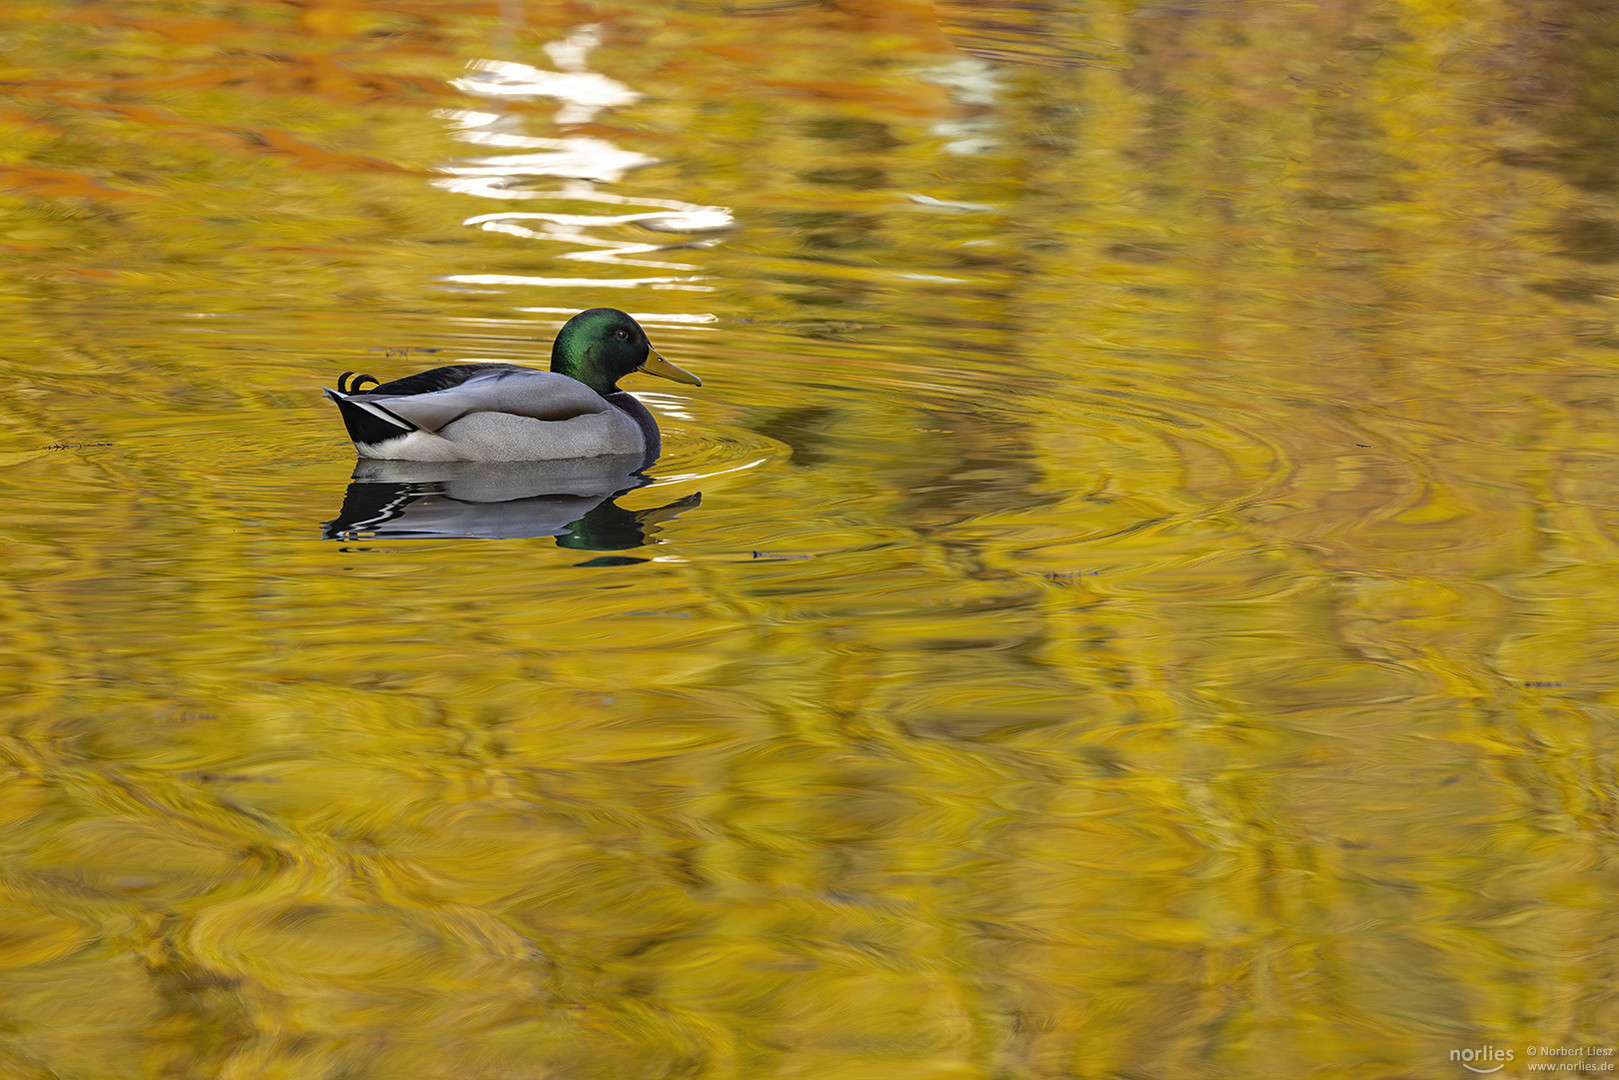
{"points": [[1131, 597]]}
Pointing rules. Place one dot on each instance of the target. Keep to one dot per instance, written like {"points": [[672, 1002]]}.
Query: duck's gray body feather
{"points": [[494, 412]]}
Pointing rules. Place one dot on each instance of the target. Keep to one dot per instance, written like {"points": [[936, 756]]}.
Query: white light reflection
{"points": [[943, 204], [575, 158], [515, 160], [570, 228], [582, 92], [667, 404], [686, 217], [680, 477], [973, 82]]}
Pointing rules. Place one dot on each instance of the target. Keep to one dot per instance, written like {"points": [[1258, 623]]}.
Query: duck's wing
{"points": [[441, 378], [434, 399]]}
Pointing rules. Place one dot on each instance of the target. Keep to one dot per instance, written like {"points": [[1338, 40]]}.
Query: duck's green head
{"points": [[601, 346]]}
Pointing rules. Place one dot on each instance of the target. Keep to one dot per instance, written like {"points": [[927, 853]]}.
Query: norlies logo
{"points": [[1483, 1056]]}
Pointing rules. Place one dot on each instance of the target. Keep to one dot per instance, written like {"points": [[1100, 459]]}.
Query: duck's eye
{"points": [[622, 334]]}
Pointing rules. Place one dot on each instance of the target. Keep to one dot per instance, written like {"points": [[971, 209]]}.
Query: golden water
{"points": [[1133, 597]]}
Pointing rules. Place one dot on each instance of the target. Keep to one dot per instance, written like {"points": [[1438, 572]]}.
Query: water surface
{"points": [[1131, 598]]}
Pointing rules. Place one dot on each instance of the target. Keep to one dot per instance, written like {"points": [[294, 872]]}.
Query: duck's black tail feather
{"points": [[365, 425]]}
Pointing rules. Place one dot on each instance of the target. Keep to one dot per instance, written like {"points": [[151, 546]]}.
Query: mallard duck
{"points": [[502, 412]]}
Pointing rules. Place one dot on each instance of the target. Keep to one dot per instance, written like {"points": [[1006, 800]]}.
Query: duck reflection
{"points": [[574, 501]]}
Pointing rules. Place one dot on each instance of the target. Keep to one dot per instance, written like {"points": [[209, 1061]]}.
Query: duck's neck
{"points": [[626, 403]]}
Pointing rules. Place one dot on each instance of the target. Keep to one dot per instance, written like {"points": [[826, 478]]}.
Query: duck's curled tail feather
{"points": [[368, 423]]}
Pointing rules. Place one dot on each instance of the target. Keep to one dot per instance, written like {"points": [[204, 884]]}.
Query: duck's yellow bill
{"points": [[657, 365]]}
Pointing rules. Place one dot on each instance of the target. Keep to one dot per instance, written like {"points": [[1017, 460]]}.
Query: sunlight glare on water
{"points": [[1131, 596]]}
